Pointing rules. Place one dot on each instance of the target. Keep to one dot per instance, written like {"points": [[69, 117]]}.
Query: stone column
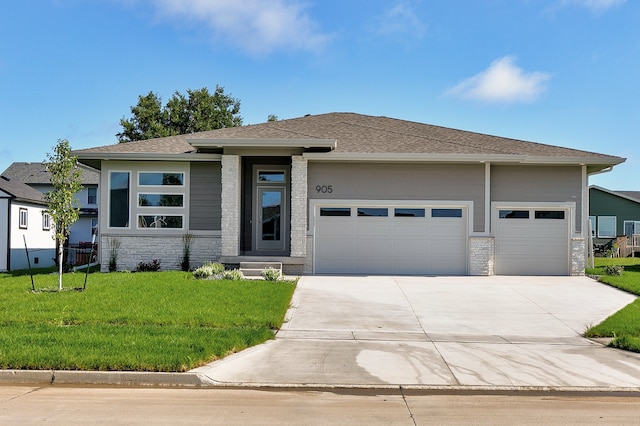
{"points": [[298, 206], [230, 202]]}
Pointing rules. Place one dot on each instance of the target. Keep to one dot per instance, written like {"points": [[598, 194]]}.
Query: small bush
{"points": [[615, 270], [152, 266], [271, 274], [209, 270], [233, 274]]}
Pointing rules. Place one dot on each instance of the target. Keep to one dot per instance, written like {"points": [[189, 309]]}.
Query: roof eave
{"points": [[597, 162], [94, 159]]}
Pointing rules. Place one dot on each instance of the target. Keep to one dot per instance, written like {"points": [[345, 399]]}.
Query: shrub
{"points": [[208, 270], [271, 274], [233, 274], [152, 266], [615, 270]]}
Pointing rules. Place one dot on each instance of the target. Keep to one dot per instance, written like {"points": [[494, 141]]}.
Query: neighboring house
{"points": [[23, 217], [615, 217], [80, 234], [344, 193]]}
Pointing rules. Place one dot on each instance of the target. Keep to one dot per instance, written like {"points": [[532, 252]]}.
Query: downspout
{"points": [[9, 234], [487, 198]]}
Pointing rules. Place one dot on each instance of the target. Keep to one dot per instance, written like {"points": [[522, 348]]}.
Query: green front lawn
{"points": [[146, 321], [624, 325]]}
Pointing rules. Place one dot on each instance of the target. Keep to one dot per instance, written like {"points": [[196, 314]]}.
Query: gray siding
{"points": [[396, 181], [206, 187], [538, 184]]}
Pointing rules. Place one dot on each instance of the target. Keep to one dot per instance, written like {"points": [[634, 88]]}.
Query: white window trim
{"points": [[593, 221], [23, 218], [46, 221], [89, 195], [600, 226], [636, 226]]}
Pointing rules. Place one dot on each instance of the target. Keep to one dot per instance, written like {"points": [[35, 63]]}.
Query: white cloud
{"points": [[595, 5], [256, 26], [401, 19], [502, 82]]}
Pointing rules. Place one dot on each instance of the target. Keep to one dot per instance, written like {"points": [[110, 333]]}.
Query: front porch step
{"points": [[254, 269]]}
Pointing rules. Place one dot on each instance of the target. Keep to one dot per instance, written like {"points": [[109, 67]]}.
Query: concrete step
{"points": [[251, 272], [261, 265]]}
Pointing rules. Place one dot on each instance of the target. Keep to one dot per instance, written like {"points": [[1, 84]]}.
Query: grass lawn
{"points": [[624, 325], [146, 321]]}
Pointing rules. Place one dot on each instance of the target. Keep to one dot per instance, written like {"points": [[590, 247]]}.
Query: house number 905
{"points": [[325, 189]]}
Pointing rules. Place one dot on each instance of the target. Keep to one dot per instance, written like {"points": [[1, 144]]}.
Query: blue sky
{"points": [[561, 72]]}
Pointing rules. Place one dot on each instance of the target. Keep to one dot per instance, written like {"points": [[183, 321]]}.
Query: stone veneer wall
{"points": [[298, 206], [230, 203], [308, 264], [578, 256], [481, 256], [167, 249]]}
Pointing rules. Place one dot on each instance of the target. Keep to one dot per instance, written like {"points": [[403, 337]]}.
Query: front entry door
{"points": [[271, 214]]}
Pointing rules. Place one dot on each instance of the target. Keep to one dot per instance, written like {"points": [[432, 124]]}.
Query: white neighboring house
{"points": [[37, 177], [22, 216]]}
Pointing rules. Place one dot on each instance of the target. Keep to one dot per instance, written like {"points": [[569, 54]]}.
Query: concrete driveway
{"points": [[439, 332]]}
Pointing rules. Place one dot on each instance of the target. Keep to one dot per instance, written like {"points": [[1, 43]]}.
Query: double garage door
{"points": [[531, 241], [375, 239]]}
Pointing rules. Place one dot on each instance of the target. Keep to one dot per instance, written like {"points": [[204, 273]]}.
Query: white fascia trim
{"points": [[137, 156], [575, 160], [458, 158], [414, 157], [263, 143]]}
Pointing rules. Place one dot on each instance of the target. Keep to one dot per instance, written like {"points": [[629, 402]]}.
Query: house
{"points": [[615, 220], [348, 193], [23, 219], [80, 234]]}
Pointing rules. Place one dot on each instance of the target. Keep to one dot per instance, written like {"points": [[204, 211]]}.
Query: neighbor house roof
{"points": [[363, 136], [629, 195], [21, 191], [37, 174]]}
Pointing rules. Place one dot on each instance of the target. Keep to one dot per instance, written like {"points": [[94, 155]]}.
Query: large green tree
{"points": [[196, 111], [63, 207]]}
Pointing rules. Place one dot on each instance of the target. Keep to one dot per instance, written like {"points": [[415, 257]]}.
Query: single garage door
{"points": [[370, 239], [532, 242]]}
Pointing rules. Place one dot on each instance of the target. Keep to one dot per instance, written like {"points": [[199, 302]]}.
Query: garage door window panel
{"points": [[372, 212], [549, 214], [514, 214], [335, 211], [446, 212], [406, 212]]}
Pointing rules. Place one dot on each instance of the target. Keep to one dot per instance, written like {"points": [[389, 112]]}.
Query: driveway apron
{"points": [[439, 331]]}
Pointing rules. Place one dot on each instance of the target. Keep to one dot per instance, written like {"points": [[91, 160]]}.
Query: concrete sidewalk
{"points": [[450, 332]]}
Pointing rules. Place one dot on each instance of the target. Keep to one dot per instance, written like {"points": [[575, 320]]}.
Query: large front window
{"points": [[119, 200]]}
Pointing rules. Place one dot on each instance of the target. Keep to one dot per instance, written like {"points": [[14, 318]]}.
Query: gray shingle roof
{"points": [[631, 194], [21, 191], [360, 134], [37, 174]]}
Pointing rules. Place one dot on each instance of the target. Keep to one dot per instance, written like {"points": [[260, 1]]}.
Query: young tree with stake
{"points": [[63, 207]]}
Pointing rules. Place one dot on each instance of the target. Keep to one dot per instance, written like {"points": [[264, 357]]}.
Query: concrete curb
{"points": [[192, 380]]}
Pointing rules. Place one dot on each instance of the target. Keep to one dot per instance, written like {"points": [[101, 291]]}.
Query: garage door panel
{"points": [[532, 246], [333, 227], [390, 244], [412, 229]]}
